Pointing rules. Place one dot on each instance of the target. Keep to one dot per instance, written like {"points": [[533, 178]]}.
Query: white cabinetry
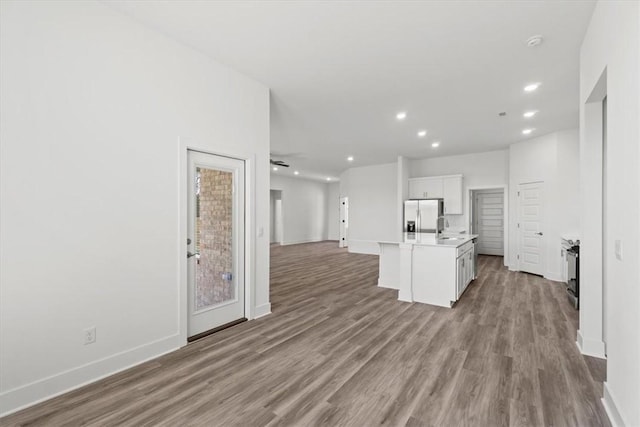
{"points": [[465, 268], [426, 188], [452, 193], [447, 187], [426, 269]]}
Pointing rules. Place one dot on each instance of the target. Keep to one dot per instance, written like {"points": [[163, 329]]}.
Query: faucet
{"points": [[440, 226]]}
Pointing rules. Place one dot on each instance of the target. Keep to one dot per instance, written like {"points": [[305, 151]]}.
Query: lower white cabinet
{"points": [[460, 276], [465, 270]]}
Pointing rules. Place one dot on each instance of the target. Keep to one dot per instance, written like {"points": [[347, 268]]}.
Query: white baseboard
{"points": [[593, 348], [262, 310], [297, 242], [364, 247], [611, 408], [63, 382], [556, 277], [382, 285]]}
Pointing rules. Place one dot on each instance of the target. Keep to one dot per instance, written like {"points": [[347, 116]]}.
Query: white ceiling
{"points": [[339, 71]]}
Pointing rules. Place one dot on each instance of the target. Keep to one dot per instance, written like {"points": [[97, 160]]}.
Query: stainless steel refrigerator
{"points": [[422, 215]]}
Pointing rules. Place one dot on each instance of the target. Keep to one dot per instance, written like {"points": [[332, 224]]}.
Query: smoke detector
{"points": [[534, 41]]}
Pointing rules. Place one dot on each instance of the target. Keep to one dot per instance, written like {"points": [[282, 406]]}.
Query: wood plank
{"points": [[338, 350]]}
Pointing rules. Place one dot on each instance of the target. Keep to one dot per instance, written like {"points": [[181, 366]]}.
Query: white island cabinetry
{"points": [[427, 270], [465, 263]]}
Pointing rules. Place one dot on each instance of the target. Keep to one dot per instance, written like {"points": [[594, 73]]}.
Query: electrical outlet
{"points": [[90, 335]]}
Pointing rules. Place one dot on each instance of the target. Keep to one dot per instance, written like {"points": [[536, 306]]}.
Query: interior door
{"points": [[489, 209], [216, 241], [531, 235], [344, 222]]}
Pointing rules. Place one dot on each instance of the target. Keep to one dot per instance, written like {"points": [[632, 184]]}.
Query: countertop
{"points": [[429, 239]]}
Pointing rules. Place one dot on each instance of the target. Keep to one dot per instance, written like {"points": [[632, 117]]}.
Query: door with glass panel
{"points": [[215, 244]]}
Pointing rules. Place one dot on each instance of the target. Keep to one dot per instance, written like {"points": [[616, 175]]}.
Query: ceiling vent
{"points": [[534, 41]]}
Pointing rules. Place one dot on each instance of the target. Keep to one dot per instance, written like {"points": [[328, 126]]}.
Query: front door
{"points": [[531, 235], [215, 241]]}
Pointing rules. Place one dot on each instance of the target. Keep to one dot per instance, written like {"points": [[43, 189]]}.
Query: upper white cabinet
{"points": [[426, 188], [447, 187], [452, 189]]}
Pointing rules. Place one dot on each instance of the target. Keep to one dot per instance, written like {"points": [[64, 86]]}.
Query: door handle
{"points": [[191, 254], [539, 233]]}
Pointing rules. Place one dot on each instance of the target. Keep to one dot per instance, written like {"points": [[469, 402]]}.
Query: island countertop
{"points": [[429, 239]]}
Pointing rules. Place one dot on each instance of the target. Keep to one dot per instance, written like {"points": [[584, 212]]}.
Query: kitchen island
{"points": [[427, 269]]}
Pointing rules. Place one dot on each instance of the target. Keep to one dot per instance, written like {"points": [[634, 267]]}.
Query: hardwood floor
{"points": [[338, 350]]}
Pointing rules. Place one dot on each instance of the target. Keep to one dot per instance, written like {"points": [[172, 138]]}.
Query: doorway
{"points": [[488, 219], [344, 222], [276, 222], [531, 252], [215, 242]]}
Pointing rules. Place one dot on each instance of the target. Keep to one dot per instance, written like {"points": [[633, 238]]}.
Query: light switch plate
{"points": [[619, 249]]}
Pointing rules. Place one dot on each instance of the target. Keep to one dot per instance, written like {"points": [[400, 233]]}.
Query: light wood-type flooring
{"points": [[338, 350]]}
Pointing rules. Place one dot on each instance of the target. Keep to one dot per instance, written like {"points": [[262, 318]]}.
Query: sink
{"points": [[450, 238]]}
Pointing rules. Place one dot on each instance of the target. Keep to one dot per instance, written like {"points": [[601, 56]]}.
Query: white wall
{"points": [[479, 170], [568, 181], [612, 43], [333, 211], [275, 209], [304, 209], [94, 107], [372, 205], [554, 159], [402, 193]]}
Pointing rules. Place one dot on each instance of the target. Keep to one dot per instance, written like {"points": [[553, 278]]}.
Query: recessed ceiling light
{"points": [[296, 173], [422, 133], [275, 168], [401, 115], [527, 131], [328, 179], [529, 114], [435, 144], [350, 159], [531, 87]]}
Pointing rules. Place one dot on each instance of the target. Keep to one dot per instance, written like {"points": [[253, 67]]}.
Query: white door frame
{"points": [[473, 214], [205, 319], [505, 192], [343, 227], [278, 220], [186, 144]]}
